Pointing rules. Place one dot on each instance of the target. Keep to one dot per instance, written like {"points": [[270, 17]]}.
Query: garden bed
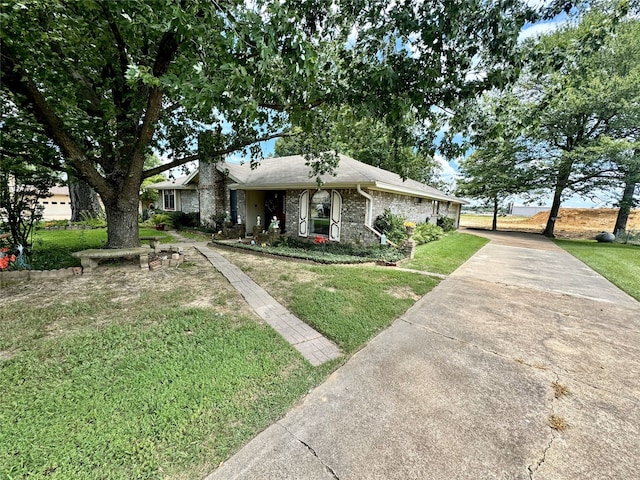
{"points": [[324, 254]]}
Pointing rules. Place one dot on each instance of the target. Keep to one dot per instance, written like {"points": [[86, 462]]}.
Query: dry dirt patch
{"points": [[578, 223], [195, 283], [403, 292]]}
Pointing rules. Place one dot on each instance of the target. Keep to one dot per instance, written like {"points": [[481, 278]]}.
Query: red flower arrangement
{"points": [[320, 240], [6, 260]]}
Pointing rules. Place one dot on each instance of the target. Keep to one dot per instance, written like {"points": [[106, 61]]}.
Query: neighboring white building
{"points": [[526, 211], [58, 205]]}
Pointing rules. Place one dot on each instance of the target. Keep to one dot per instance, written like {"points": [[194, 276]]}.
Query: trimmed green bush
{"points": [[426, 232], [391, 225], [447, 224], [181, 220]]}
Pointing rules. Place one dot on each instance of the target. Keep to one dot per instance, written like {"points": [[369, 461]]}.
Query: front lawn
{"points": [[142, 391], [144, 378], [620, 264], [445, 255], [352, 304]]}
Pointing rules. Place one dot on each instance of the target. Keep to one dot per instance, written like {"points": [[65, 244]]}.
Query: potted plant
{"points": [[161, 220], [411, 228]]}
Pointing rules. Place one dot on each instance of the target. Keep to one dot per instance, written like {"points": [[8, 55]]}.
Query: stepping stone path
{"points": [[313, 346]]}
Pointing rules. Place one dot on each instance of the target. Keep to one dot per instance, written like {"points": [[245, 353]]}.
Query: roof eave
{"points": [[297, 186], [385, 187]]}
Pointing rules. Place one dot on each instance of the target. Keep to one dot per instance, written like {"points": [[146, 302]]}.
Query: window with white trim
{"points": [[169, 199], [320, 214]]}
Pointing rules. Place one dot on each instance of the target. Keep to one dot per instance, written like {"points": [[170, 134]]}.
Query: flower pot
{"points": [[410, 231]]}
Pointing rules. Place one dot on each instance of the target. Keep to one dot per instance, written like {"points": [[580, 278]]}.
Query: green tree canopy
{"points": [[110, 82], [577, 97]]}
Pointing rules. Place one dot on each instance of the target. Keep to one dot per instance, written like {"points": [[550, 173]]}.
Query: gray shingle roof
{"points": [[293, 172]]}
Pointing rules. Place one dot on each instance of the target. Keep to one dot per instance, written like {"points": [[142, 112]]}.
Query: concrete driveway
{"points": [[462, 386]]}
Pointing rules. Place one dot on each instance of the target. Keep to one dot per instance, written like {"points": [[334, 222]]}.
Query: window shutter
{"points": [[336, 214], [303, 217]]}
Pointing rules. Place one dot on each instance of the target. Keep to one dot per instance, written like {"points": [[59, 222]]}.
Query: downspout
{"points": [[368, 220]]}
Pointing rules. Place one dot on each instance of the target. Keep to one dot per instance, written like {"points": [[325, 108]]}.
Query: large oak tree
{"points": [[111, 82]]}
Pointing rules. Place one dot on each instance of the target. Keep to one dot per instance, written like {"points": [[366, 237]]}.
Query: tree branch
{"points": [[166, 51], [281, 108], [232, 148], [22, 85], [88, 90], [120, 43]]}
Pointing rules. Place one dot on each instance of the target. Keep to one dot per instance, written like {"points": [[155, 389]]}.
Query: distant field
{"points": [[572, 222]]}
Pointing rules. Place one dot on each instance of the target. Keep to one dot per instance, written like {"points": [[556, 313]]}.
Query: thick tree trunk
{"points": [[553, 214], [625, 208], [494, 225], [561, 183], [84, 201], [122, 223]]}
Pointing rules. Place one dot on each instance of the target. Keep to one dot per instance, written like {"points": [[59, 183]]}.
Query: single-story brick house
{"points": [[343, 210]]}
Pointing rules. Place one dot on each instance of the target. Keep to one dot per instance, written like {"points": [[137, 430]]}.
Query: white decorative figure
{"points": [[259, 221]]}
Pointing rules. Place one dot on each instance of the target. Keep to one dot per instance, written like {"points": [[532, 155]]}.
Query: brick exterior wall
{"points": [[189, 201], [404, 206], [354, 211]]}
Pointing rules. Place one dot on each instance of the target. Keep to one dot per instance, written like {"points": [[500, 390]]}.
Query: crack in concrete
{"points": [[567, 373], [534, 468], [531, 468], [455, 339], [313, 452]]}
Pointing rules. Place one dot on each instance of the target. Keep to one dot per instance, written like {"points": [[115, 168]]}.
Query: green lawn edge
{"points": [[618, 263]]}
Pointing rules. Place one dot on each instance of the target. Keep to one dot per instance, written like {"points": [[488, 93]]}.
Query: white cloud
{"points": [[449, 169], [537, 30]]}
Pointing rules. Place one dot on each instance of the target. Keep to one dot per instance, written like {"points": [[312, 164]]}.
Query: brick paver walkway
{"points": [[311, 344]]}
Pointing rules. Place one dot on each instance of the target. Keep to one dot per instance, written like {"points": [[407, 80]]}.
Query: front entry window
{"points": [[319, 212], [320, 215]]}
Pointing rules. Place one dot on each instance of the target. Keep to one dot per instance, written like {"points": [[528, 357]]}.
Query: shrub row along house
{"points": [[342, 210]]}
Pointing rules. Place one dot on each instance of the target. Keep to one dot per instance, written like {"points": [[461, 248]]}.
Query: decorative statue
{"points": [[275, 223], [259, 221], [20, 261]]}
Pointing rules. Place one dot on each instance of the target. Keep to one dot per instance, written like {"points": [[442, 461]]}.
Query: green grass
{"points": [[445, 255], [156, 392], [351, 304], [101, 386], [52, 249], [620, 264]]}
